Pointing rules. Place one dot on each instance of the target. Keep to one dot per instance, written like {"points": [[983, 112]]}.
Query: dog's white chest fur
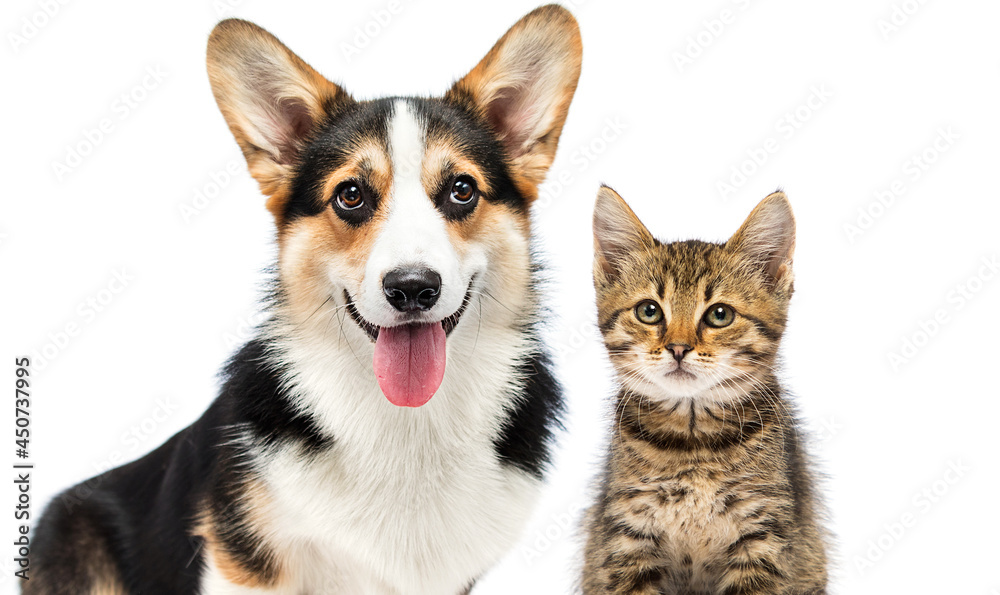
{"points": [[423, 515], [406, 500]]}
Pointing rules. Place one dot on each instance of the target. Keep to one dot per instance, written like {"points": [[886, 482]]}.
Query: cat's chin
{"points": [[681, 377], [678, 384]]}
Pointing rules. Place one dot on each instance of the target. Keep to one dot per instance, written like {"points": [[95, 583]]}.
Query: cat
{"points": [[706, 487]]}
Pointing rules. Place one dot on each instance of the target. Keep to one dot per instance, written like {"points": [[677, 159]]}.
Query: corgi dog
{"points": [[388, 427]]}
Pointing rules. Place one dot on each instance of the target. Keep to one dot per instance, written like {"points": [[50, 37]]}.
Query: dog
{"points": [[388, 427]]}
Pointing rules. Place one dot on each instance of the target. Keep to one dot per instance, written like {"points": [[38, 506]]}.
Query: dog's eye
{"points": [[719, 315], [349, 195], [463, 190]]}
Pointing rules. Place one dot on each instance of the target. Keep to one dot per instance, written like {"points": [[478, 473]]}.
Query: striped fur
{"points": [[706, 487]]}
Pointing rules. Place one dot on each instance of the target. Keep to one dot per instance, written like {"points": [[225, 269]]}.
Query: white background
{"points": [[664, 131]]}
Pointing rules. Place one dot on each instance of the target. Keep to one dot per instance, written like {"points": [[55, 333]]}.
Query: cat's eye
{"points": [[719, 315], [349, 195], [648, 312]]}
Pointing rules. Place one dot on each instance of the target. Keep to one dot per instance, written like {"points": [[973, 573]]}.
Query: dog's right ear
{"points": [[271, 99], [523, 88]]}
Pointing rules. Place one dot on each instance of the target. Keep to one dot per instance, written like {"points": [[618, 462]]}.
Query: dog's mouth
{"points": [[448, 324], [409, 358]]}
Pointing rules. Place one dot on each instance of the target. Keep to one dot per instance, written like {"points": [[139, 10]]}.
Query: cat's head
{"points": [[692, 319]]}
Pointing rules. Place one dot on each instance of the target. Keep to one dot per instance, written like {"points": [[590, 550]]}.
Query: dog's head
{"points": [[397, 213]]}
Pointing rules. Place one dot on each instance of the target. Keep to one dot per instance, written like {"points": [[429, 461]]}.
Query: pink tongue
{"points": [[409, 362]]}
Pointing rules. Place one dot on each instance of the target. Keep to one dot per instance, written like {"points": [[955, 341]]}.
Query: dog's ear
{"points": [[523, 88], [271, 99]]}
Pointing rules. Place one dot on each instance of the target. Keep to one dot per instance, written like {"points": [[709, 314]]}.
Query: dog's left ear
{"points": [[523, 88], [271, 99]]}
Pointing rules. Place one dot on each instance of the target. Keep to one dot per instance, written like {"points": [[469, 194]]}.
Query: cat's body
{"points": [[706, 488]]}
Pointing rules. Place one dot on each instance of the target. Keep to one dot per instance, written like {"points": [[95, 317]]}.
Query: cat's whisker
{"points": [[753, 361], [769, 397], [716, 377], [630, 380], [622, 404], [749, 399], [728, 383]]}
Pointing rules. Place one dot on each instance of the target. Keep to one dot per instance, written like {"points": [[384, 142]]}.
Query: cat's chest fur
{"points": [[695, 504], [694, 508]]}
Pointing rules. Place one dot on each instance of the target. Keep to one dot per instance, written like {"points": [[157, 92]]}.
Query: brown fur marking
{"points": [[82, 555], [254, 505]]}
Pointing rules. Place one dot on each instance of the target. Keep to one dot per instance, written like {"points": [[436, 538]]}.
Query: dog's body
{"points": [[403, 236]]}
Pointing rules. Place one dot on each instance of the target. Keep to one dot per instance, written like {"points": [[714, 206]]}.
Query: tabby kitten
{"points": [[706, 488]]}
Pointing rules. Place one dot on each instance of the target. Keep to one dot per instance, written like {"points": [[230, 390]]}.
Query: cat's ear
{"points": [[617, 234], [767, 238], [271, 99], [523, 88]]}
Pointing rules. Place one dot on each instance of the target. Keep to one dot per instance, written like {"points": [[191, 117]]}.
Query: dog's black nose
{"points": [[410, 290]]}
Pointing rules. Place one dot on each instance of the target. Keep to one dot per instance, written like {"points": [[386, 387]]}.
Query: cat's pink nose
{"points": [[679, 350]]}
